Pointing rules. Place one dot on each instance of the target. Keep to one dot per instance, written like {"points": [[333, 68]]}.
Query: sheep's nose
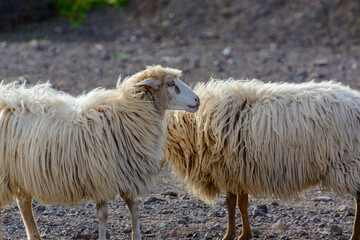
{"points": [[197, 100]]}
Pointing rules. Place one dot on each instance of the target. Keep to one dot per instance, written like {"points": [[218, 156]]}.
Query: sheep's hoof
{"points": [[246, 236], [229, 237]]}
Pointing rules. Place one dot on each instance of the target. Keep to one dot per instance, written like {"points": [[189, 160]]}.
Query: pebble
{"points": [[171, 194], [343, 208], [279, 225], [209, 236], [260, 211], [271, 236], [173, 234], [40, 208], [303, 234], [335, 230], [321, 62], [218, 227], [350, 212], [152, 199], [302, 75], [323, 199], [227, 51], [182, 221], [256, 232]]}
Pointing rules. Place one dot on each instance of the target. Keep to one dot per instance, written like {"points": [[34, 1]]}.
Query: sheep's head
{"points": [[170, 92]]}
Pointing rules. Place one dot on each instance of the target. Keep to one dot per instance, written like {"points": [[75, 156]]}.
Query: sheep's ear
{"points": [[149, 82]]}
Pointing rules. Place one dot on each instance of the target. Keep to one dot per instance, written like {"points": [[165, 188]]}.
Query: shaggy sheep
{"points": [[59, 149], [268, 140]]}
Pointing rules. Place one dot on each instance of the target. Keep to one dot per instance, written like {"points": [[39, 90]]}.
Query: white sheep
{"points": [[268, 140], [59, 149]]}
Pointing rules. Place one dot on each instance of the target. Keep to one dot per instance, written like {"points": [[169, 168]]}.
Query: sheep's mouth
{"points": [[193, 108]]}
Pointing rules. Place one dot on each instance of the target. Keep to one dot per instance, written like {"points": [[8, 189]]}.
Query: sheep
{"points": [[268, 140], [60, 149]]}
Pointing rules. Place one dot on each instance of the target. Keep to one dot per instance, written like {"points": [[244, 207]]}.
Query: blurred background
{"points": [[82, 44]]}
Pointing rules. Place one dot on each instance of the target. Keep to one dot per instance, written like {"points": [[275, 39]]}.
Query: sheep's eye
{"points": [[170, 84]]}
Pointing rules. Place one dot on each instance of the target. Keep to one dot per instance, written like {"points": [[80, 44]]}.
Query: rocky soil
{"points": [[273, 40]]}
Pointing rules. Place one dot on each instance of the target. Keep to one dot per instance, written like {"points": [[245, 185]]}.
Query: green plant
{"points": [[75, 10]]}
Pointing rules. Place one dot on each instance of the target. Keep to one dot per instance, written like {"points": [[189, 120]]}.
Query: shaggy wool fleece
{"points": [[267, 139], [62, 149]]}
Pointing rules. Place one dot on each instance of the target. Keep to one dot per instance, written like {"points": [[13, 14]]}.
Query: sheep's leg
{"points": [[231, 208], [24, 204], [135, 221], [242, 201], [356, 228], [102, 215]]}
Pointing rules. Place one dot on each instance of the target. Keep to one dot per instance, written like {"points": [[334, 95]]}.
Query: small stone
{"points": [[218, 227], [36, 45], [171, 194], [335, 230], [260, 210], [279, 225], [40, 208], [263, 207], [343, 208], [274, 203], [350, 212], [151, 199], [182, 221], [322, 225], [209, 236], [216, 63], [316, 220], [226, 51], [258, 213], [256, 232], [302, 75], [303, 234], [173, 234], [271, 235], [323, 199], [192, 235], [127, 230], [321, 62]]}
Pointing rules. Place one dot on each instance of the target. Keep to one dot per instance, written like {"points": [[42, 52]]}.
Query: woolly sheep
{"points": [[59, 149], [268, 140]]}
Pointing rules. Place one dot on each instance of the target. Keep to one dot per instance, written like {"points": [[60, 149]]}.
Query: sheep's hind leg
{"points": [[356, 228], [102, 215], [135, 221], [242, 201], [231, 207], [24, 204]]}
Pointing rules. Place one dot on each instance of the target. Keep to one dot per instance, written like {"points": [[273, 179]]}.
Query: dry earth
{"points": [[273, 40]]}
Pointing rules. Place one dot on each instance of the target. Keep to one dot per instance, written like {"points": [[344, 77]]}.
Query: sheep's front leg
{"points": [[135, 221], [356, 228], [102, 215], [24, 204], [231, 207], [242, 201]]}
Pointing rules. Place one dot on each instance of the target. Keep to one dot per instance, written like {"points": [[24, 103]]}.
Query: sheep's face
{"points": [[174, 93]]}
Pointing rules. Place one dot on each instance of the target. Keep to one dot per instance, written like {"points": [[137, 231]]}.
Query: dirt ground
{"points": [[272, 40]]}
